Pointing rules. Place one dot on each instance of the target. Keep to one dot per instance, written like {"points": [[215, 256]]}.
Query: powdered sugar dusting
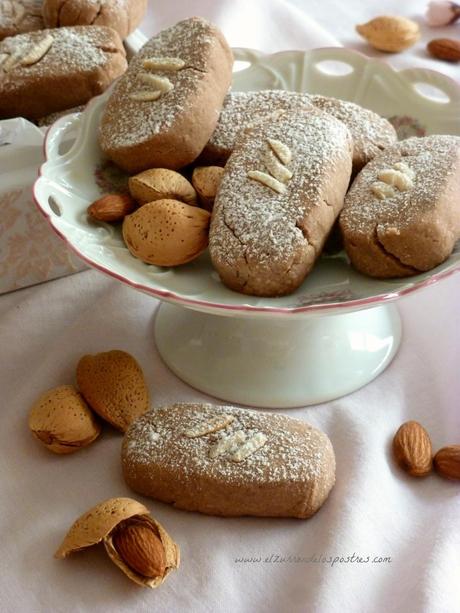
{"points": [[242, 109], [370, 132], [18, 16], [74, 49], [257, 228], [278, 448], [431, 160], [134, 121]]}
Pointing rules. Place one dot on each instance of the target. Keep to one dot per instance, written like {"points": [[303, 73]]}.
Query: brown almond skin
{"points": [[112, 208], [445, 49], [447, 462], [139, 546], [412, 449]]}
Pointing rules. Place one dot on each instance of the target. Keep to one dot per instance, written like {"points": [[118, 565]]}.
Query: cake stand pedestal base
{"points": [[278, 362]]}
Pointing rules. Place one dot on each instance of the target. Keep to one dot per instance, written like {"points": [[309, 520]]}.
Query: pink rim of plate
{"points": [[352, 304]]}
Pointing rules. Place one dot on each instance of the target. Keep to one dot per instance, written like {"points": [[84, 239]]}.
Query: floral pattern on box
{"points": [[29, 252]]}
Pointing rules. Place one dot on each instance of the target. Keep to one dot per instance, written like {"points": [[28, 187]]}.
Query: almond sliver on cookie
{"points": [[277, 170], [281, 150], [209, 427], [38, 51], [163, 63], [146, 95], [162, 84], [10, 62], [265, 179]]}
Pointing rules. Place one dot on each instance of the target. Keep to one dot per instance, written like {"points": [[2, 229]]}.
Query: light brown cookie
{"points": [[228, 461], [163, 111], [52, 70], [280, 193], [240, 111], [370, 132], [402, 213], [20, 16], [122, 15]]}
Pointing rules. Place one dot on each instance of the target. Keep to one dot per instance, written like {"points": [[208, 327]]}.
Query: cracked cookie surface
{"points": [[265, 239], [411, 230], [170, 130]]}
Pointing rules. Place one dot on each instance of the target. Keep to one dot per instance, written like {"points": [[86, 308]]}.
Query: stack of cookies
{"points": [[58, 54], [279, 171]]}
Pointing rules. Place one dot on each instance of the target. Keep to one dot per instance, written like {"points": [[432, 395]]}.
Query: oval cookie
{"points": [[401, 215], [229, 461], [51, 70], [163, 111], [280, 193]]}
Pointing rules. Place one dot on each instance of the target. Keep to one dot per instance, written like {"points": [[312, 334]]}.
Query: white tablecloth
{"points": [[231, 565]]}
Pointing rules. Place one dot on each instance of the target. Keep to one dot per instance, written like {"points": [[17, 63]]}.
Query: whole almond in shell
{"points": [[161, 184], [206, 181], [390, 33], [112, 207], [62, 421], [114, 386], [445, 49], [133, 540], [167, 232], [447, 462], [412, 449]]}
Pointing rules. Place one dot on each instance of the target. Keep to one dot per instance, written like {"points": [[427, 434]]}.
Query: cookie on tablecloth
{"points": [[229, 461]]}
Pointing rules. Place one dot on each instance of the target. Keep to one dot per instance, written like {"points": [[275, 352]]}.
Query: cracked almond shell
{"points": [[62, 420], [97, 525], [113, 385], [167, 232]]}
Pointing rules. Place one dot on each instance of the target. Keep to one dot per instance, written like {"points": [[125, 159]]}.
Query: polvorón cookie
{"points": [[163, 111], [229, 461], [402, 215]]}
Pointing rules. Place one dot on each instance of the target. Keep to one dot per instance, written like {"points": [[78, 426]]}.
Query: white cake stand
{"points": [[338, 331]]}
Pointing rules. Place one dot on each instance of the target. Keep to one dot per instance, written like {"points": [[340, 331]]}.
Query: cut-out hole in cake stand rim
{"points": [[431, 92], [334, 68]]}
